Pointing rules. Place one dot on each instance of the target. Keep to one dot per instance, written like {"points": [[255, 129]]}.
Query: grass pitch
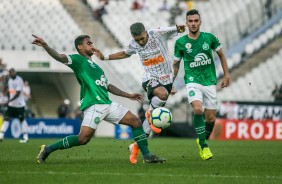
{"points": [[105, 161]]}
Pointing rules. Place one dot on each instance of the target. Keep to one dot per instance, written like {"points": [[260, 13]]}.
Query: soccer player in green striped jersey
{"points": [[95, 102], [195, 48]]}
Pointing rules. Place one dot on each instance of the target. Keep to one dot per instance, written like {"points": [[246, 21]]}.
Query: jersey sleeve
{"points": [[167, 32], [215, 43], [178, 54], [73, 60], [130, 49]]}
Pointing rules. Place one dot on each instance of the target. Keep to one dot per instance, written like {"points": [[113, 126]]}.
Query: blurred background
{"points": [[249, 30]]}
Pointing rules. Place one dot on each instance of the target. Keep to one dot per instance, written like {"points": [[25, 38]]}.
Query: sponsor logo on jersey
{"points": [[200, 59], [148, 55], [205, 46], [154, 61], [102, 82], [188, 47]]}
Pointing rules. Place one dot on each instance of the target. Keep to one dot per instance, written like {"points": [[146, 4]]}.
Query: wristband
{"points": [[107, 57]]}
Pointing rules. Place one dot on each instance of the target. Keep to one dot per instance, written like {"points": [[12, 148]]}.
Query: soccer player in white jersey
{"points": [[196, 49], [152, 48], [16, 105]]}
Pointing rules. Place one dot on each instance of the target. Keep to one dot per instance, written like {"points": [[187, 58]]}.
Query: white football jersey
{"points": [[154, 56], [14, 86]]}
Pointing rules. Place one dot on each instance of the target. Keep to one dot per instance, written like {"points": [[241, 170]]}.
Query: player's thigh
{"points": [[131, 120], [210, 97]]}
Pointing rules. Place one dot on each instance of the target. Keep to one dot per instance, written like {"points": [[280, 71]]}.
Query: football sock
{"points": [[5, 126], [200, 129], [146, 127], [141, 139], [156, 102], [209, 128], [65, 143], [24, 127]]}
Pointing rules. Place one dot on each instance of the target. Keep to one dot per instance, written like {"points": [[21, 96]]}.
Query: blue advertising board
{"points": [[123, 132], [44, 128]]}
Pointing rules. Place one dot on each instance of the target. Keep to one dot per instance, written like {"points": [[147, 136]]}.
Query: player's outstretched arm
{"points": [[118, 55], [54, 54], [176, 65], [224, 65], [116, 91]]}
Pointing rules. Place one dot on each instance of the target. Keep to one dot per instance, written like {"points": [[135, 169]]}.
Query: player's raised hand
{"points": [[38, 41], [137, 97], [180, 28], [98, 53]]}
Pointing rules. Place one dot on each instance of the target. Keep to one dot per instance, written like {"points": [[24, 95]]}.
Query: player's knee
{"points": [[198, 110], [163, 96], [137, 123], [210, 118]]}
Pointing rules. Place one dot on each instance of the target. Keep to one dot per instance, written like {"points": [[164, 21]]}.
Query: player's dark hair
{"points": [[137, 28], [79, 40], [193, 12]]}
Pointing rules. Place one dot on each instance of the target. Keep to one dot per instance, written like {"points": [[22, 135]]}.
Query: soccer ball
{"points": [[161, 117]]}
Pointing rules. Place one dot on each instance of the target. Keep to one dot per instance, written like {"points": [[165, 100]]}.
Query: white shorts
{"points": [[206, 94], [111, 113]]}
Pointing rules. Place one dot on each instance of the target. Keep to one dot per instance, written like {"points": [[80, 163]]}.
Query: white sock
{"points": [[25, 129], [146, 127], [156, 102], [5, 126]]}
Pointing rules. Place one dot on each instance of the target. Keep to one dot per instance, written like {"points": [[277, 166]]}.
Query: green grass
{"points": [[105, 160]]}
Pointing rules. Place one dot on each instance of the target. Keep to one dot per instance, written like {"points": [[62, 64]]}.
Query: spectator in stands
{"points": [[64, 109], [136, 5], [277, 93], [100, 11], [174, 11], [95, 101], [196, 49], [164, 6], [268, 4]]}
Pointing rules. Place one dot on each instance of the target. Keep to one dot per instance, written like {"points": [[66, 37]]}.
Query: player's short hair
{"points": [[79, 40], [137, 28], [193, 12]]}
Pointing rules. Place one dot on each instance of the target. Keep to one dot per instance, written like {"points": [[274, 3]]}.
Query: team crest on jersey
{"points": [[153, 44], [191, 78], [188, 47], [191, 93], [205, 46], [97, 120]]}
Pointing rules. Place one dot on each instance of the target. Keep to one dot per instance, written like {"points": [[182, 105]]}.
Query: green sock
{"points": [[140, 138], [209, 128], [200, 129], [65, 143]]}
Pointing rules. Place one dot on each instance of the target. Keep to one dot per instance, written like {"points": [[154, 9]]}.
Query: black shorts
{"points": [[152, 84], [15, 112]]}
